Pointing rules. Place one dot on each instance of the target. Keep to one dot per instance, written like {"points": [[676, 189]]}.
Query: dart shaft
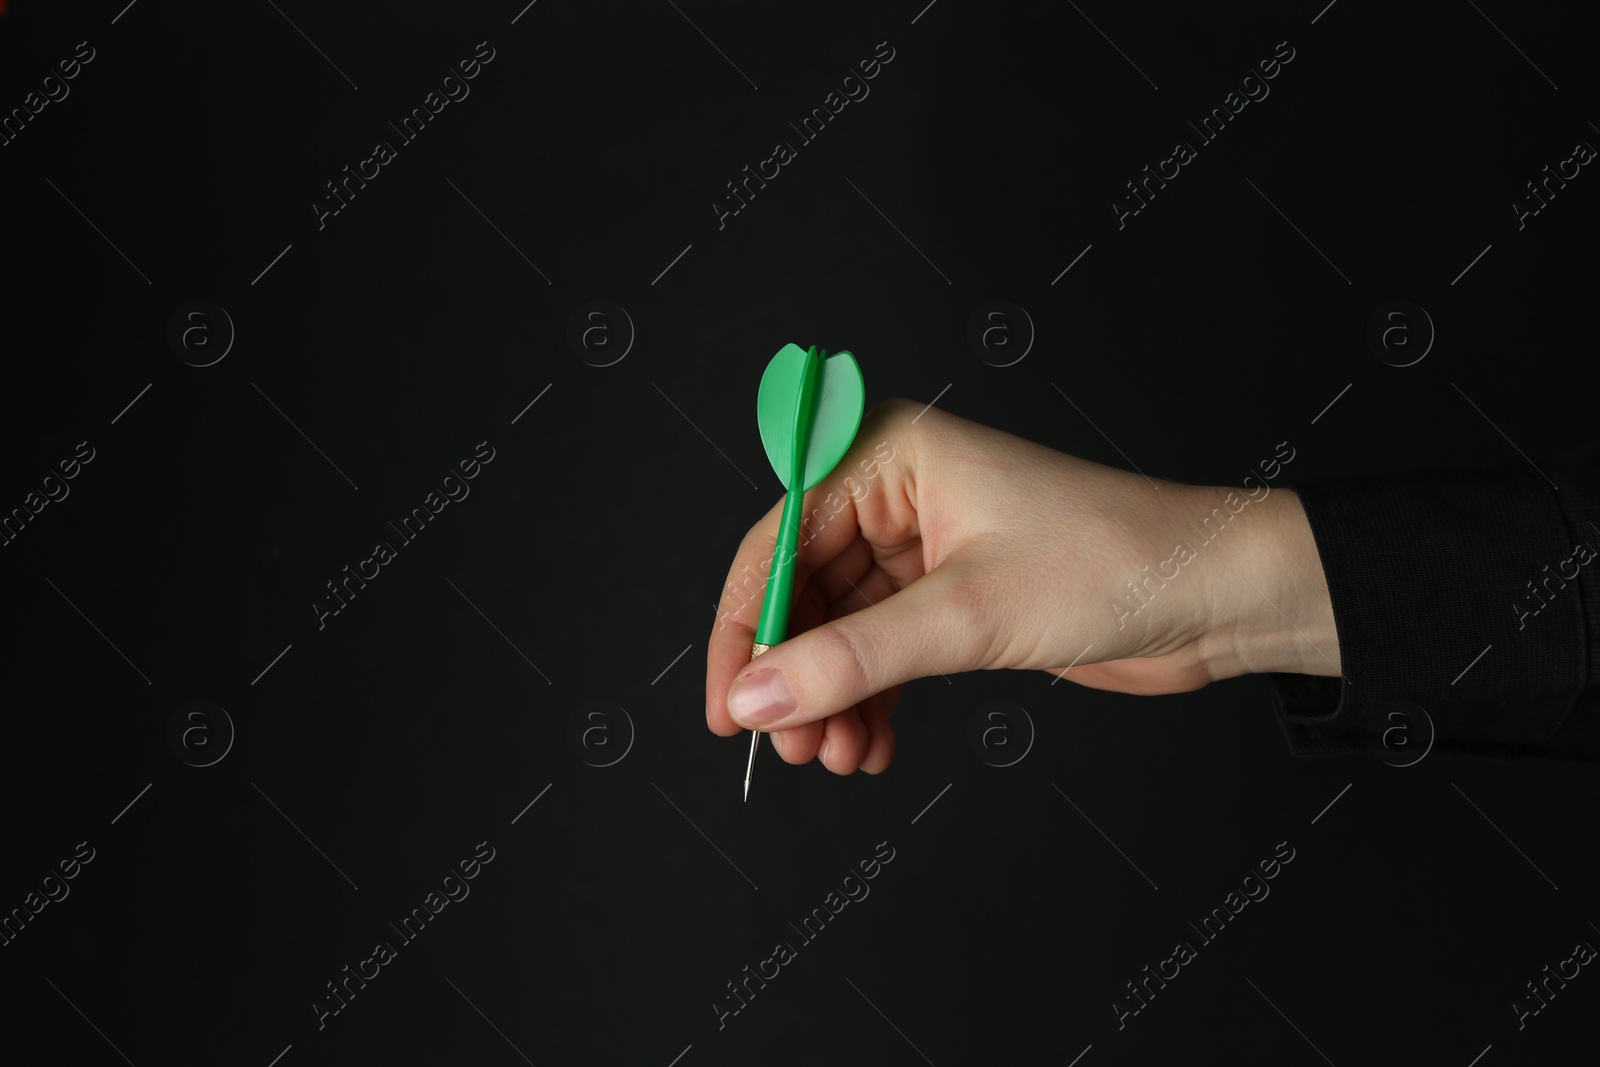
{"points": [[774, 624]]}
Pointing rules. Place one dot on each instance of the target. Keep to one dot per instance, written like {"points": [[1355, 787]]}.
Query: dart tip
{"points": [[750, 764]]}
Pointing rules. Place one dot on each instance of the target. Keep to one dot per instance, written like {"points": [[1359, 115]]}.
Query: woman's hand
{"points": [[938, 545]]}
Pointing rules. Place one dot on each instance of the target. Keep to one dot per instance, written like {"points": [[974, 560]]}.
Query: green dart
{"points": [[808, 408]]}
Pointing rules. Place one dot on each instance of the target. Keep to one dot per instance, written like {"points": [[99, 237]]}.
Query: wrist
{"points": [[1273, 612]]}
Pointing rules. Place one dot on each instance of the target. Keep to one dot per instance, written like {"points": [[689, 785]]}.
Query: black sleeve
{"points": [[1472, 594]]}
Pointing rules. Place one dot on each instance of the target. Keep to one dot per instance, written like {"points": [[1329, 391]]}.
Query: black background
{"points": [[408, 330]]}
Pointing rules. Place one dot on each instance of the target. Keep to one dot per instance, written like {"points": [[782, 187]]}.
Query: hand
{"points": [[938, 545]]}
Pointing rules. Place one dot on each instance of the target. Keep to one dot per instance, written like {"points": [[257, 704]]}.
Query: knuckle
{"points": [[898, 413], [894, 406], [839, 653]]}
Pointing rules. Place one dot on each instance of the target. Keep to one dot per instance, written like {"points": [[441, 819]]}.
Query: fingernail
{"points": [[762, 698]]}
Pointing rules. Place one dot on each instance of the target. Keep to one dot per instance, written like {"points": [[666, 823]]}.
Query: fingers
{"points": [[799, 744], [881, 740], [844, 742], [873, 754], [833, 579], [933, 626], [847, 748], [860, 592], [858, 738]]}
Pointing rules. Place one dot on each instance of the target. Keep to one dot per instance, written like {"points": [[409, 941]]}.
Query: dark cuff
{"points": [[1456, 591]]}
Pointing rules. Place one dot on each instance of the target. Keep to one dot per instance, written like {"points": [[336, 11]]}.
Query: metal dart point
{"points": [[755, 735], [755, 739]]}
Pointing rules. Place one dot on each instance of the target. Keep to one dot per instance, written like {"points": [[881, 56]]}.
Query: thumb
{"points": [[932, 626]]}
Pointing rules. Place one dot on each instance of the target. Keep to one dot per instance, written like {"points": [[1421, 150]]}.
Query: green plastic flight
{"points": [[809, 408]]}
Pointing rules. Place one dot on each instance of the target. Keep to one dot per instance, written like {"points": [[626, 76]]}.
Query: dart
{"points": [[808, 409]]}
